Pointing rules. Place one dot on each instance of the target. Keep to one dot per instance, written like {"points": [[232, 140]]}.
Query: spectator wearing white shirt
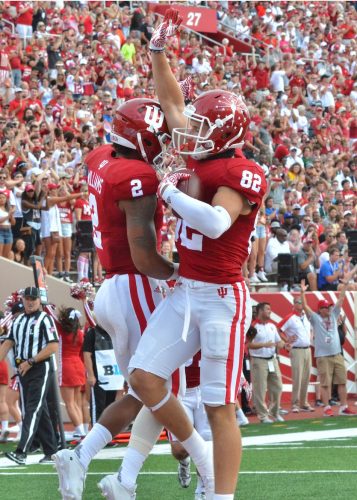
{"points": [[201, 65], [277, 78], [327, 98], [263, 340], [276, 246], [297, 329], [293, 158]]}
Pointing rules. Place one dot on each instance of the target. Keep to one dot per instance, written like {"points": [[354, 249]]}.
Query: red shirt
{"points": [[65, 211], [199, 254], [262, 78], [111, 180], [85, 207], [14, 104], [26, 17]]}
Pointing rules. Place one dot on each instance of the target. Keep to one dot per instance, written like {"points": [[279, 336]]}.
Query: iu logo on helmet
{"points": [[222, 292], [154, 117]]}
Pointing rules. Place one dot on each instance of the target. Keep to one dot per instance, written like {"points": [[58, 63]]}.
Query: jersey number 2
{"points": [[97, 235]]}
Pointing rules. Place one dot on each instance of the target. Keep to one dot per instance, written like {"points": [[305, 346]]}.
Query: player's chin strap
{"points": [[210, 221]]}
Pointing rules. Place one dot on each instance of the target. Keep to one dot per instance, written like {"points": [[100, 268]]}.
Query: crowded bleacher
{"points": [[66, 68]]}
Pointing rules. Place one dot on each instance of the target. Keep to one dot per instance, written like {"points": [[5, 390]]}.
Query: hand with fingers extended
{"points": [[167, 28], [303, 286], [187, 87], [171, 179]]}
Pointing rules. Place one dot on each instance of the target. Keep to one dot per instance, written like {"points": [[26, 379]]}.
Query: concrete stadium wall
{"points": [[14, 276]]}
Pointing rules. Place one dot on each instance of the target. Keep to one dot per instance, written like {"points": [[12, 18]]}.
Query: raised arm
{"points": [[345, 282], [167, 88], [142, 238], [307, 309]]}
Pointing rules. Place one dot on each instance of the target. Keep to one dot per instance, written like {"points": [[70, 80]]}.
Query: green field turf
{"points": [[305, 469]]}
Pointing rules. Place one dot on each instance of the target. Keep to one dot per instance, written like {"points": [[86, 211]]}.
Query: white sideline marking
{"points": [[250, 441], [250, 472]]}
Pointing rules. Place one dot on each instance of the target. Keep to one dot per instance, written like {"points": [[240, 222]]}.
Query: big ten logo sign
{"points": [[110, 370]]}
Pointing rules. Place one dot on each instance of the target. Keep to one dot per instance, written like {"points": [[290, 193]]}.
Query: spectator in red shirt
{"points": [[24, 20], [18, 105]]}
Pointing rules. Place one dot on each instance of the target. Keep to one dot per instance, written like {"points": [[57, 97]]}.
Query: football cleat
{"points": [[112, 489], [184, 472], [71, 474]]}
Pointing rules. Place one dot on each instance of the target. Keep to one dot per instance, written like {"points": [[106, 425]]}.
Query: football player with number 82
{"points": [[210, 308]]}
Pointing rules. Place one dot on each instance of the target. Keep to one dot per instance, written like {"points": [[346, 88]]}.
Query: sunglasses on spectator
{"points": [[307, 220]]}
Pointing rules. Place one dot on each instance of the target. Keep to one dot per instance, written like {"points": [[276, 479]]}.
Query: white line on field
{"points": [[174, 473]]}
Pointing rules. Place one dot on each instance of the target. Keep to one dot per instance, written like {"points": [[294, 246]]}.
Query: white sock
{"points": [[130, 468], [79, 430], [82, 267], [86, 428], [343, 407], [223, 497], [240, 413], [4, 425], [196, 447], [144, 434], [95, 441], [86, 269]]}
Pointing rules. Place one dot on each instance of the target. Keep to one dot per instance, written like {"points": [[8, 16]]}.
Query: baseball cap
{"points": [[288, 215], [275, 224], [64, 175], [296, 207], [347, 212], [18, 89], [52, 185], [323, 303], [32, 291], [29, 187]]}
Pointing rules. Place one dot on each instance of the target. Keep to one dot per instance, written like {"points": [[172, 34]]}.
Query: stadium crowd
{"points": [[65, 68]]}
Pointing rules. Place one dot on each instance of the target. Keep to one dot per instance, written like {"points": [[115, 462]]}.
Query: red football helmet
{"points": [[216, 121], [140, 124]]}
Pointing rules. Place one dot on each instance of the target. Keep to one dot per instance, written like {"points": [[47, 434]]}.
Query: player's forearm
{"points": [[166, 85], [210, 221], [154, 265]]}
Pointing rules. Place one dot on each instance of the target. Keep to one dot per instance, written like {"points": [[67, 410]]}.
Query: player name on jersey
{"points": [[95, 181]]}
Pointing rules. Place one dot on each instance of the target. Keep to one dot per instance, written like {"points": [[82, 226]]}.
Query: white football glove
{"points": [[167, 28]]}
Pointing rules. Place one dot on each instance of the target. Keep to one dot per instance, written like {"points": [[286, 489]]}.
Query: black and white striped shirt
{"points": [[31, 333]]}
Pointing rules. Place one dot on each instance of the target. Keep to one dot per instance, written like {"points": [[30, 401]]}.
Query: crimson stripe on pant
{"points": [[136, 302], [240, 301], [148, 293]]}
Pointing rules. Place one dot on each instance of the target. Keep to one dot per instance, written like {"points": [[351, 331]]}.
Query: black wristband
{"points": [[31, 361], [157, 51]]}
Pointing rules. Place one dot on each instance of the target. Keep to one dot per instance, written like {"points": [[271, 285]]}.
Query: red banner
{"points": [[196, 18], [282, 304]]}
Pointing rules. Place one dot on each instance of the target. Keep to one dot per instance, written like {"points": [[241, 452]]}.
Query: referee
{"points": [[34, 338]]}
